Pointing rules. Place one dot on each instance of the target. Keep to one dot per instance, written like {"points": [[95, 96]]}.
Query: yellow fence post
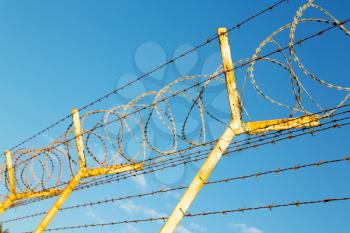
{"points": [[236, 127], [59, 202], [13, 195], [76, 179], [7, 203], [221, 145], [199, 180], [10, 172], [11, 183], [234, 100], [83, 172], [79, 138]]}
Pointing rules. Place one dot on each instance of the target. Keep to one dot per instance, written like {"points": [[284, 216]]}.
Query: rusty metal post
{"points": [[233, 97], [221, 145], [79, 138], [236, 127], [76, 179]]}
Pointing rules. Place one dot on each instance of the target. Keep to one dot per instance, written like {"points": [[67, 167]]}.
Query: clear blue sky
{"points": [[56, 55]]}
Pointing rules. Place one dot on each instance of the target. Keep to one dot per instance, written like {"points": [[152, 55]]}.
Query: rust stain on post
{"points": [[45, 193], [113, 169], [233, 97], [281, 124]]}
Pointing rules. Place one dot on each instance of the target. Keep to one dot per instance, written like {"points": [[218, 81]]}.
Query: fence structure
{"points": [[86, 169]]}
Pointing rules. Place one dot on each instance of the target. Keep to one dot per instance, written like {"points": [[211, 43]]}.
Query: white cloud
{"points": [[181, 229], [129, 207], [244, 228], [93, 216], [132, 208], [152, 213], [177, 195], [131, 229], [197, 227], [140, 180]]}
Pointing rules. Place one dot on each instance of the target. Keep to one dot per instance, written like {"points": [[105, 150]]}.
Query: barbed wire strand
{"points": [[195, 48], [181, 160], [277, 171], [299, 42], [207, 213]]}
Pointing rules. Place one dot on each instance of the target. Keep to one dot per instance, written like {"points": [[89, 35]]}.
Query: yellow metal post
{"points": [[236, 127], [113, 169], [11, 183], [199, 180], [10, 172], [233, 97], [79, 138], [44, 193], [281, 124], [221, 145], [76, 179], [82, 173], [7, 203], [14, 196], [59, 202]]}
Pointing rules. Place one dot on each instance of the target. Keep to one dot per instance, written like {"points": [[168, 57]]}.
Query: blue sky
{"points": [[58, 55]]}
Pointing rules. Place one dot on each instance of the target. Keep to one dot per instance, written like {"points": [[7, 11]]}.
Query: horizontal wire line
{"points": [[203, 156], [166, 190], [208, 213], [207, 41]]}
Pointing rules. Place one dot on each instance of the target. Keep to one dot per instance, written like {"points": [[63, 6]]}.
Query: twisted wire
{"points": [[181, 187], [113, 92], [236, 147], [207, 213]]}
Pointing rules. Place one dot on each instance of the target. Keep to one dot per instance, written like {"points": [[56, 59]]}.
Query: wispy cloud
{"points": [[129, 207], [131, 229], [244, 228], [181, 229], [140, 180], [132, 208], [198, 228], [93, 216]]}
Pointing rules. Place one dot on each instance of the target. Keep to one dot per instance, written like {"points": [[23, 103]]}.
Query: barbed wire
{"points": [[181, 187], [53, 156], [198, 156], [153, 106], [207, 213], [156, 163], [153, 158], [113, 92], [248, 141], [250, 18]]}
